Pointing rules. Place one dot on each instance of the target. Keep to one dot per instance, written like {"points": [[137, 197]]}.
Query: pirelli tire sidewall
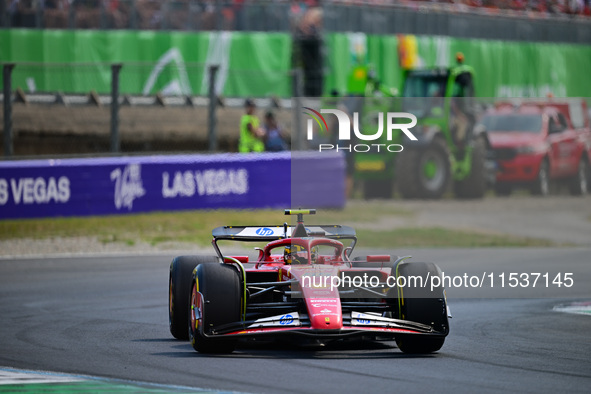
{"points": [[424, 305], [220, 291], [179, 287]]}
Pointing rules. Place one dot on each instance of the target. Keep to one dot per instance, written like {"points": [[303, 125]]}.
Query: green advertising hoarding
{"points": [[258, 64], [503, 68], [78, 61]]}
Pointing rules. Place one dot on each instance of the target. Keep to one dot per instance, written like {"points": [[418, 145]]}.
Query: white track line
{"points": [[579, 308], [10, 376]]}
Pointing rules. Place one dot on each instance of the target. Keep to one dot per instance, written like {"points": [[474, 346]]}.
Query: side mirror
{"points": [[554, 128], [347, 253], [479, 128], [261, 254]]}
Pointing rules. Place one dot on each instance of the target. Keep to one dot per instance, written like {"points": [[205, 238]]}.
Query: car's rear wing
{"points": [[271, 233]]}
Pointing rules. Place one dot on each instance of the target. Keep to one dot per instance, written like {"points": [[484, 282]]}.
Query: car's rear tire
{"points": [[215, 300], [179, 288], [579, 185], [541, 186], [421, 304]]}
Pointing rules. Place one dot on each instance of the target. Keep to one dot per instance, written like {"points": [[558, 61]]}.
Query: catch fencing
{"points": [[98, 109]]}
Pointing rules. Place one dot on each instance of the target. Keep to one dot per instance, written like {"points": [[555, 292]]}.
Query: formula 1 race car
{"points": [[304, 284]]}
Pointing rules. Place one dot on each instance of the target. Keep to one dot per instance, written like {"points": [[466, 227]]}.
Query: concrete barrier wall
{"points": [[120, 185]]}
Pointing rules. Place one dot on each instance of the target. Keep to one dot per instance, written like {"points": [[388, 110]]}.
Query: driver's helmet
{"points": [[294, 254], [314, 255]]}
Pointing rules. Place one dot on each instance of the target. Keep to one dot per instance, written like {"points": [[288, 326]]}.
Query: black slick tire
{"points": [[179, 288], [420, 304], [215, 300]]}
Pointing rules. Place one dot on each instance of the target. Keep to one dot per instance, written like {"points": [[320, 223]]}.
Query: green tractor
{"points": [[450, 147]]}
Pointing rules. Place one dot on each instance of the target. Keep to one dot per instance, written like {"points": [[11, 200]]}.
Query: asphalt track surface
{"points": [[107, 316]]}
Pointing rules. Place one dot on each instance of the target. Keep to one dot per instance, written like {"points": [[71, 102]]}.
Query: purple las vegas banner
{"points": [[117, 185]]}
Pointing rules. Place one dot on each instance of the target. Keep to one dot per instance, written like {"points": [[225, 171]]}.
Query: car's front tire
{"points": [[419, 344], [421, 304], [179, 288], [579, 185], [215, 300], [541, 186]]}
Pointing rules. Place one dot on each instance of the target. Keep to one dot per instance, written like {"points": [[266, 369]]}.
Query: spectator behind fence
{"points": [[55, 13], [305, 15], [251, 135], [274, 139]]}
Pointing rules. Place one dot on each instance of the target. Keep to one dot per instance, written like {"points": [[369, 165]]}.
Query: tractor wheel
{"points": [[474, 185], [425, 172]]}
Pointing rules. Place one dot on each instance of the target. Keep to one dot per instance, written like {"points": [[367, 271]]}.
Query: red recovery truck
{"points": [[538, 142]]}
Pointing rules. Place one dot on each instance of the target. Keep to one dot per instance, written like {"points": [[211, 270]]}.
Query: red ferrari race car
{"points": [[304, 284]]}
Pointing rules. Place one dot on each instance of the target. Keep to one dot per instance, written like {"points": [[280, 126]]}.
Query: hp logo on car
{"points": [[264, 231], [286, 319]]}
